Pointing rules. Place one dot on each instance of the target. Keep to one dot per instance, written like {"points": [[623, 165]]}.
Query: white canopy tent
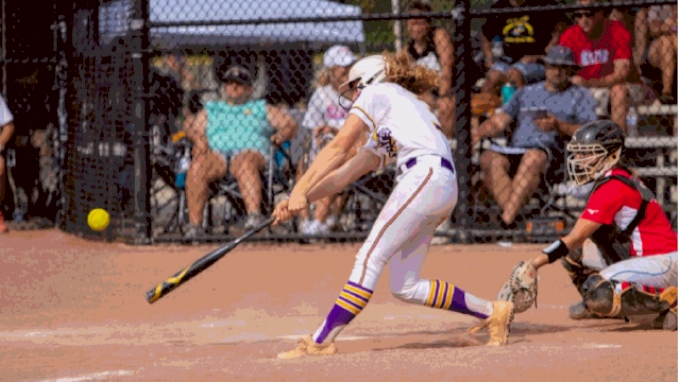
{"points": [[114, 18]]}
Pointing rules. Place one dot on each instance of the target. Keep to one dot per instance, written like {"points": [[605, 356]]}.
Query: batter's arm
{"points": [[6, 132], [583, 229], [360, 165], [332, 155]]}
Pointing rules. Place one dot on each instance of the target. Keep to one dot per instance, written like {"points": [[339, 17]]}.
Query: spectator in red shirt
{"points": [[603, 48], [629, 261]]}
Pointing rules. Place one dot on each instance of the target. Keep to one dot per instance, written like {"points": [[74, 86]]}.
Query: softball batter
{"points": [[402, 127]]}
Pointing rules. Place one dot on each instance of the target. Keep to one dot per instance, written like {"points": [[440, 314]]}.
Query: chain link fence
{"points": [[188, 122]]}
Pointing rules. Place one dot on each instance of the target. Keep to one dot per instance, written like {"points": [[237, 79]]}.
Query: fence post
{"points": [[463, 84], [139, 44]]}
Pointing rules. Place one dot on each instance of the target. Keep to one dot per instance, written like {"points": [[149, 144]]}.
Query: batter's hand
{"points": [[297, 203], [281, 213]]}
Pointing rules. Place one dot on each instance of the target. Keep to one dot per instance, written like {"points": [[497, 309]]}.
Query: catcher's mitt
{"points": [[483, 103], [521, 288]]}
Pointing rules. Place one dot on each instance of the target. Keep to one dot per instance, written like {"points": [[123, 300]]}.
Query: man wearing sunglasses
{"points": [[603, 50]]}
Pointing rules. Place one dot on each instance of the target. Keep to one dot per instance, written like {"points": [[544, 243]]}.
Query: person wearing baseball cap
{"points": [[541, 116], [239, 132], [323, 119], [238, 74]]}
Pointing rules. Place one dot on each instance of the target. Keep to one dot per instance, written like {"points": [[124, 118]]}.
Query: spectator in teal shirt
{"points": [[233, 135]]}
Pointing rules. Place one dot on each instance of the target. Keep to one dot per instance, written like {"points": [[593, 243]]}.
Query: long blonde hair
{"points": [[400, 70]]}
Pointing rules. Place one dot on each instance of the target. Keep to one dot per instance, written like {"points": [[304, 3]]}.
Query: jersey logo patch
{"points": [[592, 211], [384, 141], [518, 30]]}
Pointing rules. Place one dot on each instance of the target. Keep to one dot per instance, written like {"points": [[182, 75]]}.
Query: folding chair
{"points": [[277, 179]]}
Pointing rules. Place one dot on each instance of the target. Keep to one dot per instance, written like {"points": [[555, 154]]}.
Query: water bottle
{"points": [[18, 215], [497, 47], [507, 91], [182, 168], [632, 122]]}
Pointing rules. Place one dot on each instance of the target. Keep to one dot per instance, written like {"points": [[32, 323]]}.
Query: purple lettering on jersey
{"points": [[384, 141]]}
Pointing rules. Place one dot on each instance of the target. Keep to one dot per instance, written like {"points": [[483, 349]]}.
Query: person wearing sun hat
{"points": [[236, 133], [323, 119]]}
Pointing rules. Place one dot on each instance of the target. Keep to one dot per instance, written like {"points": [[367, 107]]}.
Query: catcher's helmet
{"points": [[595, 148]]}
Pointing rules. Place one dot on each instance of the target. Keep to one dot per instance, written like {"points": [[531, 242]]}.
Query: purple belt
{"points": [[445, 163]]}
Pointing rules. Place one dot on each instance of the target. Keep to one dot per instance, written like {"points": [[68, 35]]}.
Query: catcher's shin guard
{"points": [[601, 297], [667, 320]]}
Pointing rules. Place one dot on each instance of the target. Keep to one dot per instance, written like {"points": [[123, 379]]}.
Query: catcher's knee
{"points": [[598, 295]]}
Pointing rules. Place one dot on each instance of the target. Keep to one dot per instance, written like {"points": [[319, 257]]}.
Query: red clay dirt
{"points": [[73, 310]]}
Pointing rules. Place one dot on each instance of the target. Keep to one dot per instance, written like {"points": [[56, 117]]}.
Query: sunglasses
{"points": [[577, 15]]}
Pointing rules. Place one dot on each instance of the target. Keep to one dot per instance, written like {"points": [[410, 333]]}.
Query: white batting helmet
{"points": [[369, 70]]}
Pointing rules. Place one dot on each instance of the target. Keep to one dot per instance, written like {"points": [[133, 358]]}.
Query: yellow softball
{"points": [[98, 219]]}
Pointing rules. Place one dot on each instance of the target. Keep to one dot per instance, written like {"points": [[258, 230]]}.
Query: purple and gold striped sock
{"points": [[351, 302], [443, 295]]}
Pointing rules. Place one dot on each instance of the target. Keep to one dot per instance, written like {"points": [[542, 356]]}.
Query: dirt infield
{"points": [[72, 310]]}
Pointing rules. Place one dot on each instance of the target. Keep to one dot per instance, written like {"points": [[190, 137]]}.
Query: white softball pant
{"points": [[424, 196]]}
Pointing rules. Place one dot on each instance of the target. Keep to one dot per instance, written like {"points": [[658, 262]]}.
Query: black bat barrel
{"points": [[199, 265]]}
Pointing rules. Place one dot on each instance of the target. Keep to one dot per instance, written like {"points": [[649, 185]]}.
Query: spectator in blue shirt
{"points": [[543, 114]]}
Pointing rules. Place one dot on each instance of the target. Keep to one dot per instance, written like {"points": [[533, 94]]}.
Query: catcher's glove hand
{"points": [[521, 288]]}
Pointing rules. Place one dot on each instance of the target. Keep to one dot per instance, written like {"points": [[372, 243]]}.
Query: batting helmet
{"points": [[369, 70]]}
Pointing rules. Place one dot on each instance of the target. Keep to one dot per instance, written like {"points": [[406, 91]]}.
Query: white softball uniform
{"points": [[5, 115], [404, 127]]}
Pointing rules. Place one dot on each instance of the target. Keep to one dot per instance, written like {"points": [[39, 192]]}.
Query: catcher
{"points": [[628, 263]]}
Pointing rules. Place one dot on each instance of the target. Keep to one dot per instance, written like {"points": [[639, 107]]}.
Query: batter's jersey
{"points": [[5, 115], [614, 202], [400, 124]]}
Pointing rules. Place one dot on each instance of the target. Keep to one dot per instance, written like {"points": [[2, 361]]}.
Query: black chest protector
{"points": [[614, 243]]}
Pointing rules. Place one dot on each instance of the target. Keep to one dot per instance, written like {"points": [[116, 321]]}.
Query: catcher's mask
{"points": [[594, 149]]}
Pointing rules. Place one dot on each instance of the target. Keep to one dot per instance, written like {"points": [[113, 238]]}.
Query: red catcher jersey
{"points": [[614, 202]]}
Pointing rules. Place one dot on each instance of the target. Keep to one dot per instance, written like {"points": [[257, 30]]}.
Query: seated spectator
{"points": [[324, 117], [523, 40], [233, 136], [432, 48], [656, 48], [603, 49], [545, 114], [6, 131]]}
